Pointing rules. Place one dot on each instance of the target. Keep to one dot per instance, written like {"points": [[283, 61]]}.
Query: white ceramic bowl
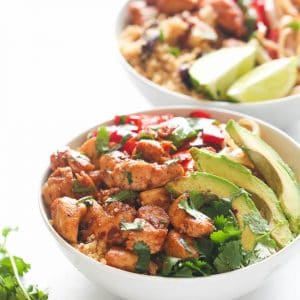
{"points": [[281, 112], [142, 287]]}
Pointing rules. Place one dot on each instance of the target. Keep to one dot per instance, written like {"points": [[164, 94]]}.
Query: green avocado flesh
{"points": [[263, 196], [276, 173], [242, 204]]}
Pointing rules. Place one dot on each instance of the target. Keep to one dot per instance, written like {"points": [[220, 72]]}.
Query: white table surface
{"points": [[59, 75]]}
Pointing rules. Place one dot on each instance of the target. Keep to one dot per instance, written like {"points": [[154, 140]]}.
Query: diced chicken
{"points": [[151, 236], [155, 215], [126, 260], [150, 151], [187, 224], [230, 16], [179, 245], [89, 149], [140, 13], [138, 175], [105, 223], [59, 184], [66, 214], [159, 197], [74, 159], [96, 177], [175, 6], [121, 259], [86, 182]]}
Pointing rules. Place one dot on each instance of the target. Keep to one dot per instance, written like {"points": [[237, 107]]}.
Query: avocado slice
{"points": [[275, 171], [262, 195], [215, 72], [241, 203]]}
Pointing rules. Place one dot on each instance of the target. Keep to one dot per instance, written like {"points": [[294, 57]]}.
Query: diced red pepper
{"points": [[185, 159], [129, 145], [130, 119], [261, 16], [212, 135], [200, 114], [273, 34]]}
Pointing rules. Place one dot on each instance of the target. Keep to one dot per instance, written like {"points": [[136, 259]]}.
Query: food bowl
{"points": [[230, 285], [282, 112]]}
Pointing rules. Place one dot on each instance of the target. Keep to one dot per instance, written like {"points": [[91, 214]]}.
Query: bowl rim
{"points": [[162, 89], [161, 110]]}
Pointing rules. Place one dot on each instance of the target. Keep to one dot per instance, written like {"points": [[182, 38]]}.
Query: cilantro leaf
{"points": [[87, 201], [217, 207], [7, 230], [229, 258], [102, 140], [220, 221], [143, 252], [122, 196], [205, 247], [79, 189], [229, 232], [256, 223], [21, 265], [295, 25], [137, 225], [185, 205], [175, 51], [128, 176]]}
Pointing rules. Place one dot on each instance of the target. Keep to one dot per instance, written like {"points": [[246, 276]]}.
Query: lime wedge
{"points": [[271, 80], [215, 72]]}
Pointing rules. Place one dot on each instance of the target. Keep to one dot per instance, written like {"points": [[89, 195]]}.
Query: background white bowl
{"points": [[281, 112], [222, 286]]}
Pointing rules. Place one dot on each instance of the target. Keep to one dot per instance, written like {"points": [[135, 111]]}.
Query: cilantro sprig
{"points": [[143, 252], [12, 269]]}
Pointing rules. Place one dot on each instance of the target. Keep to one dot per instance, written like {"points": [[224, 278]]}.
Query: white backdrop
{"points": [[59, 75]]}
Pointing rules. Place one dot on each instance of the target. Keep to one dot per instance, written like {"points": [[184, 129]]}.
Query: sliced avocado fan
{"points": [[241, 202], [262, 195], [275, 171]]}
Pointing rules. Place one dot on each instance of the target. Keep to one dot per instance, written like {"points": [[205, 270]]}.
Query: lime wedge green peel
{"points": [[215, 72], [271, 80]]}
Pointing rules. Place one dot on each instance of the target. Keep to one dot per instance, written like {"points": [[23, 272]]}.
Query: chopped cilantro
{"points": [[230, 257], [12, 268], [217, 207], [128, 175], [143, 252], [77, 188], [229, 232], [205, 247], [191, 210], [161, 36], [135, 226], [122, 196], [175, 51], [220, 221], [102, 140], [256, 223], [87, 201]]}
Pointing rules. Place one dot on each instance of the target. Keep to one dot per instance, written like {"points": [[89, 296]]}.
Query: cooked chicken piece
{"points": [[140, 13], [187, 224], [86, 182], [121, 259], [159, 197], [151, 236], [105, 223], [230, 16], [125, 173], [71, 158], [66, 214], [179, 245], [155, 215], [126, 260], [89, 149], [59, 184], [175, 6], [96, 177], [150, 151]]}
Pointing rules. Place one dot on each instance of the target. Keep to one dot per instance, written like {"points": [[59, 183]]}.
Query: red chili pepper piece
{"points": [[273, 34], [212, 135], [261, 15], [129, 145], [185, 159], [200, 114]]}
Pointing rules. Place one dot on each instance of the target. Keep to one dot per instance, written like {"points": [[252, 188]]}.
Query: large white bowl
{"points": [[226, 286], [281, 112]]}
